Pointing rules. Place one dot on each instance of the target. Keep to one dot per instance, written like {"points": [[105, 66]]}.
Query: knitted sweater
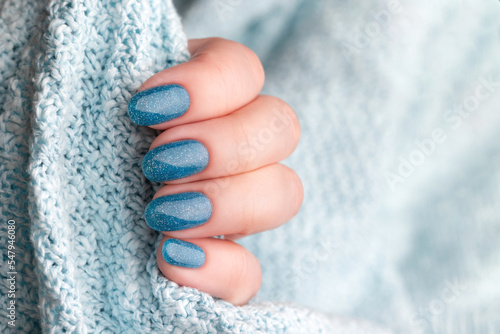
{"points": [[398, 225]]}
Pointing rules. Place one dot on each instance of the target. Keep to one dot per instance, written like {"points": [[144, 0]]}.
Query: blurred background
{"points": [[399, 155]]}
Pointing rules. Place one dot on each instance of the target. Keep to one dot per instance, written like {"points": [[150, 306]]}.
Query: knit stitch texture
{"points": [[71, 178], [72, 182]]}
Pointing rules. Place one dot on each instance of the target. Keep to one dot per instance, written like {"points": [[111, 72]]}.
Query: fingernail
{"points": [[159, 104], [178, 211], [175, 160], [183, 254]]}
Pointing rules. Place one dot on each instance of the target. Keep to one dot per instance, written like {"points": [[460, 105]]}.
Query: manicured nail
{"points": [[175, 160], [183, 254], [178, 211], [159, 104]]}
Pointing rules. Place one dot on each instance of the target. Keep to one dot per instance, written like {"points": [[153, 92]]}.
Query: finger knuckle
{"points": [[237, 55], [297, 190], [240, 270], [242, 276], [248, 218], [244, 55], [256, 68], [283, 114]]}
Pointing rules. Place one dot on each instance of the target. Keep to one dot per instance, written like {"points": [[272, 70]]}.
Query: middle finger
{"points": [[263, 132]]}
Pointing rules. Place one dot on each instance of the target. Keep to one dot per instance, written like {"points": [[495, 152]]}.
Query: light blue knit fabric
{"points": [[421, 256], [72, 182], [370, 88]]}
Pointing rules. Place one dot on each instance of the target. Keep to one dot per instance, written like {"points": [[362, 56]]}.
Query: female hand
{"points": [[218, 157]]}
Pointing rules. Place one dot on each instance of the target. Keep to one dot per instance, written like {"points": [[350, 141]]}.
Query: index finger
{"points": [[221, 76]]}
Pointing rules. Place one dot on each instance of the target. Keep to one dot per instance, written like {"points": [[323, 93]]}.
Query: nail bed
{"points": [[158, 104], [183, 254], [175, 160], [178, 211]]}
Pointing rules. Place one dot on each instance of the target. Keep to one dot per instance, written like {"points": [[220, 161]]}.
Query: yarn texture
{"points": [[72, 180], [416, 256]]}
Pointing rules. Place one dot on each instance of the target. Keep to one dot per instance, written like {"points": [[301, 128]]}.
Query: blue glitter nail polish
{"points": [[175, 160], [159, 104], [178, 211], [183, 254]]}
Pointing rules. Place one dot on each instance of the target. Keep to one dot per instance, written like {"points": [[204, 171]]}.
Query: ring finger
{"points": [[234, 206]]}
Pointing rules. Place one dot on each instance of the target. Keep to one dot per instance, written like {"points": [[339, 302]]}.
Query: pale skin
{"points": [[246, 135]]}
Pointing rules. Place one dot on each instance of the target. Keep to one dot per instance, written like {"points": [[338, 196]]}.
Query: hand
{"points": [[219, 158]]}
